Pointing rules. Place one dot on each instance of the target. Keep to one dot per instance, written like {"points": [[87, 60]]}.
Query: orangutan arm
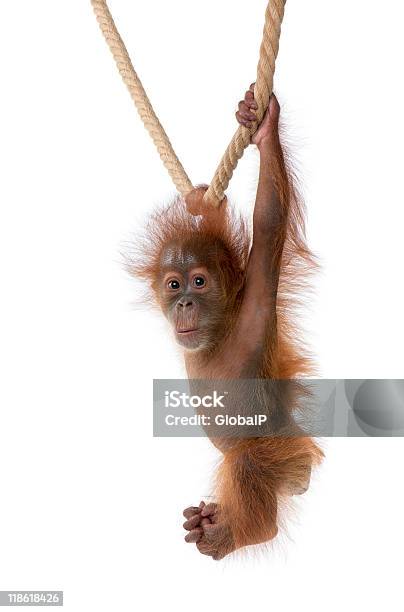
{"points": [[258, 313]]}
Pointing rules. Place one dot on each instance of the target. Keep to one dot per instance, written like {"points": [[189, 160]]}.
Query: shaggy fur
{"points": [[255, 473]]}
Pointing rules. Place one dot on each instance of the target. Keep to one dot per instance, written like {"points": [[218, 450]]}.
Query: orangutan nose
{"points": [[184, 303]]}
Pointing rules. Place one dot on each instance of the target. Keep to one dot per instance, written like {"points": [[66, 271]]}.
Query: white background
{"points": [[90, 502]]}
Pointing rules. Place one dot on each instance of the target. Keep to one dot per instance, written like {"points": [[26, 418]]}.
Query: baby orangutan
{"points": [[229, 305]]}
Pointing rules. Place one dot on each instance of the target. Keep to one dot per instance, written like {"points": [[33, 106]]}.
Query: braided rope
{"points": [[241, 139], [139, 96], [262, 93]]}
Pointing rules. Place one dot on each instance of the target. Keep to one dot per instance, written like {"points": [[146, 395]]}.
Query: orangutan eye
{"points": [[173, 284], [199, 281]]}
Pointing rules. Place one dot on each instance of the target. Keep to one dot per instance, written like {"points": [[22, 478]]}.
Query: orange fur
{"points": [[255, 473]]}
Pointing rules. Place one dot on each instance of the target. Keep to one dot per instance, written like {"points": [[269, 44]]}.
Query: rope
{"points": [[241, 139], [139, 96], [262, 93]]}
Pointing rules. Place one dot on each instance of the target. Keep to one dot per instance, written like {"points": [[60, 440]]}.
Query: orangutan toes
{"points": [[205, 529], [194, 523]]}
